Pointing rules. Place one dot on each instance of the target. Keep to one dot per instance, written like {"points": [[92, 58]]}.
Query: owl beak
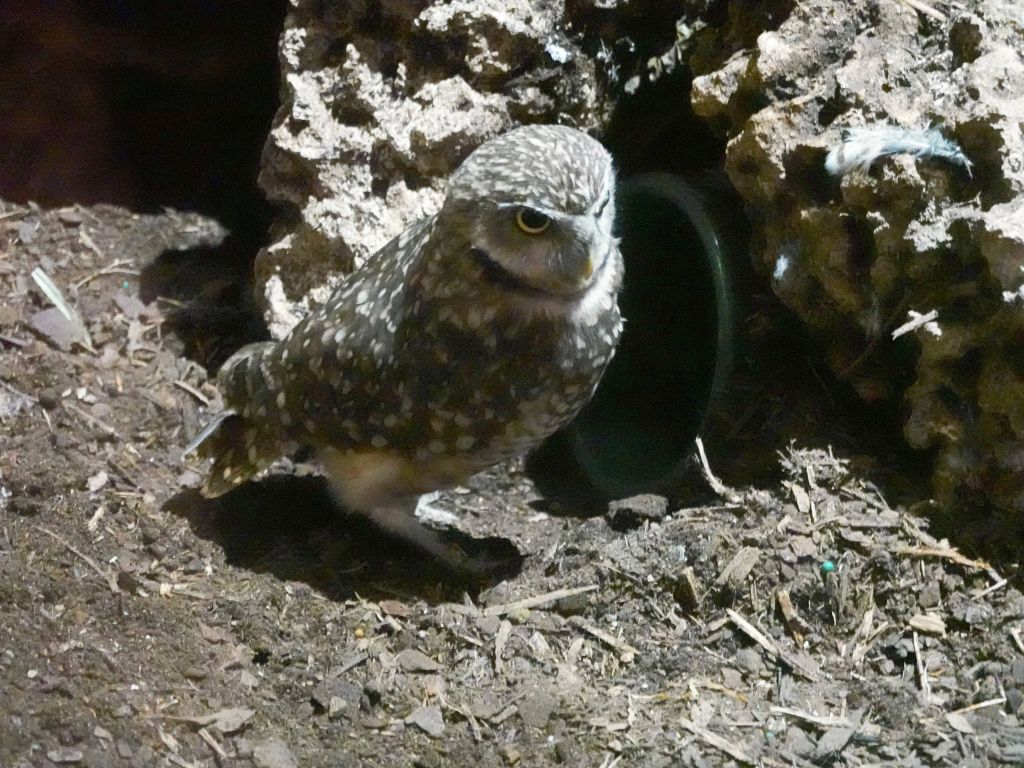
{"points": [[601, 247], [574, 270], [587, 268]]}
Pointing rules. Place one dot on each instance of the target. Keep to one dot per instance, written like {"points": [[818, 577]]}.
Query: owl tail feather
{"points": [[227, 441]]}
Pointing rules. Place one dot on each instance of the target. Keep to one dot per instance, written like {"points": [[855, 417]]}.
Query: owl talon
{"points": [[485, 564]]}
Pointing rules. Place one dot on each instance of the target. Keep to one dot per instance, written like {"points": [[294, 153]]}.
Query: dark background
{"points": [[139, 103]]}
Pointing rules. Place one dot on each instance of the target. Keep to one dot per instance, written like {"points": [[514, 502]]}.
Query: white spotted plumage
{"points": [[467, 340]]}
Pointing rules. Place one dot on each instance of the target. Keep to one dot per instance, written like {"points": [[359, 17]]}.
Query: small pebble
{"points": [[1017, 671], [273, 753], [626, 514], [749, 660], [48, 398], [64, 755], [930, 595], [427, 719]]}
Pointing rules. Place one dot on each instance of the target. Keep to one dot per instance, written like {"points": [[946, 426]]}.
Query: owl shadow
{"points": [[291, 527]]}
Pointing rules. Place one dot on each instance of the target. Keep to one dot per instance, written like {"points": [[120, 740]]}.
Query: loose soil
{"points": [[810, 619]]}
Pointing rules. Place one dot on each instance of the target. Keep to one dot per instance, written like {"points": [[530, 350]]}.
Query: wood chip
{"points": [[800, 496], [411, 660], [55, 328], [928, 624], [688, 591], [798, 628], [395, 608], [56, 296], [225, 720], [737, 570], [97, 481], [863, 630], [427, 719], [959, 723], [500, 639], [274, 753], [216, 635], [64, 755], [833, 742], [350, 662]]}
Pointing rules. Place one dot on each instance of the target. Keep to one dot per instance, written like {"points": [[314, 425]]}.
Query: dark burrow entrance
{"points": [[727, 361]]}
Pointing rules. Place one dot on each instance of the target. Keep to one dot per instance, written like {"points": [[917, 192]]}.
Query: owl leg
{"points": [[399, 519]]}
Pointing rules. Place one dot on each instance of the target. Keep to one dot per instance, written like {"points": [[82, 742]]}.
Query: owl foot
{"points": [[493, 558]]}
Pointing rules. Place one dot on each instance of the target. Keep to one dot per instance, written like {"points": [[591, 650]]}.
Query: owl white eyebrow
{"points": [[549, 212]]}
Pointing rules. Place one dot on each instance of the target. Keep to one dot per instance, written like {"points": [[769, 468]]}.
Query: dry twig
{"points": [[915, 322], [796, 664], [536, 601], [107, 576], [91, 419], [922, 671], [717, 485], [824, 722], [716, 741], [922, 7], [117, 268], [946, 554], [184, 385], [626, 651], [1016, 635], [996, 702]]}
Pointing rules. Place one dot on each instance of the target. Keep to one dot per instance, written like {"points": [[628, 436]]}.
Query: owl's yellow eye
{"points": [[532, 222]]}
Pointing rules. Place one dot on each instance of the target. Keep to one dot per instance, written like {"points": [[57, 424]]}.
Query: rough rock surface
{"points": [[856, 259], [381, 101]]}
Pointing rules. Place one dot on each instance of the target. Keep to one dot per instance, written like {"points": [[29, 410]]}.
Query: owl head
{"points": [[534, 209]]}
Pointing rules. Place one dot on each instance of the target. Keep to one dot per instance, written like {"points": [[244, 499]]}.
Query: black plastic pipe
{"points": [[680, 239]]}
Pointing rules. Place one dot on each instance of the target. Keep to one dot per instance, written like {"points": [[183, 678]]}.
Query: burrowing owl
{"points": [[465, 341]]}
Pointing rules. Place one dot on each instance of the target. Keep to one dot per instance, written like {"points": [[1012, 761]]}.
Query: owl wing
{"points": [[337, 365], [319, 385]]}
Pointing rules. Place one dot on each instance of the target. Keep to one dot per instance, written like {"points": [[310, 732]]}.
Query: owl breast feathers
{"points": [[465, 341]]}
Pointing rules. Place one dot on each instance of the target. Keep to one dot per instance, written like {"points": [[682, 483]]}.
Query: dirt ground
{"points": [[803, 621]]}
